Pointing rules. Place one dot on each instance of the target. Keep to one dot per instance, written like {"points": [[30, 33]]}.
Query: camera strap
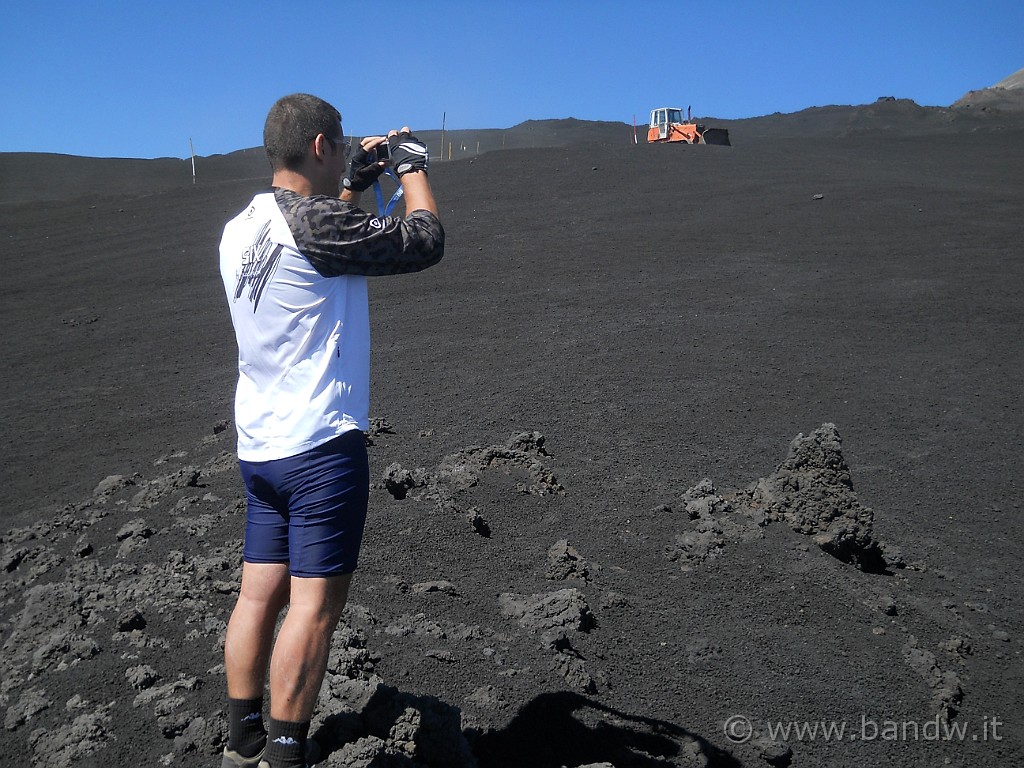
{"points": [[385, 209]]}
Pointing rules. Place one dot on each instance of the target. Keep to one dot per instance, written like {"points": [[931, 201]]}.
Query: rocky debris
{"points": [[477, 521], [112, 484], [568, 662], [702, 502], [776, 753], [31, 702], [693, 547], [612, 600], [714, 521], [523, 450], [84, 621], [372, 724], [441, 655], [81, 605], [422, 626], [883, 603], [461, 470], [563, 609], [418, 624], [224, 461], [425, 587], [379, 426], [553, 614], [141, 677], [527, 442], [349, 657], [958, 646], [133, 536], [29, 560], [169, 704], [201, 736], [49, 631], [811, 490], [63, 746], [564, 562], [947, 694], [153, 491], [398, 480]]}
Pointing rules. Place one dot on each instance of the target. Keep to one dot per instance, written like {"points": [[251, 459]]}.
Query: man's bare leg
{"points": [[298, 664], [250, 635], [303, 645], [247, 646]]}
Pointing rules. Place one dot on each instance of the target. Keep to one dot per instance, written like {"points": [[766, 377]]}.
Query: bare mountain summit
{"points": [[1007, 96]]}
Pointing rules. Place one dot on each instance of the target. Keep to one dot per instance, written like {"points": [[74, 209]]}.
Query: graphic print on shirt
{"points": [[259, 262]]}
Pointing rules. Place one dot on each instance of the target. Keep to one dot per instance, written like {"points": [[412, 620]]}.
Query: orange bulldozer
{"points": [[668, 125]]}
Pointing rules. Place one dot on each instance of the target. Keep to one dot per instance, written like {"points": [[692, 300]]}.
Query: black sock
{"points": [[286, 744], [246, 734]]}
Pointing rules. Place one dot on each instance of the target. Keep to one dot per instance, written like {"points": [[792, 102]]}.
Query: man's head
{"points": [[293, 123]]}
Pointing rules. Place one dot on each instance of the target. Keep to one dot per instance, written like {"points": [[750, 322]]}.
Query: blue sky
{"points": [[139, 79]]}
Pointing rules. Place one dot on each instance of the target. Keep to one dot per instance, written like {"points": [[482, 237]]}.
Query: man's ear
{"points": [[320, 146]]}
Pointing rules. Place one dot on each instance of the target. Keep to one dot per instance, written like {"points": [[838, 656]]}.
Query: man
{"points": [[294, 265]]}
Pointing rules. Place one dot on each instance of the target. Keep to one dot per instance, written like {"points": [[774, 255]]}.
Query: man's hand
{"points": [[362, 171], [408, 153]]}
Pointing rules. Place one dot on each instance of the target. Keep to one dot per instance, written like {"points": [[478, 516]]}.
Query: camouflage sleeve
{"points": [[340, 239]]}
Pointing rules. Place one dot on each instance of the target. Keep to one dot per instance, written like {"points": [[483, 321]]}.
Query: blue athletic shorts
{"points": [[309, 510]]}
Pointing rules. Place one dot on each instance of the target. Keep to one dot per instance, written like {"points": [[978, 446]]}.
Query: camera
{"points": [[383, 152]]}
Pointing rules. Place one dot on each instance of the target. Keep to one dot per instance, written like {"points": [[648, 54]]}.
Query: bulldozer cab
{"points": [[663, 118]]}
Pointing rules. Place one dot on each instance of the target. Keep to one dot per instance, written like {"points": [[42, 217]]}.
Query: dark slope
{"points": [[26, 177], [660, 315]]}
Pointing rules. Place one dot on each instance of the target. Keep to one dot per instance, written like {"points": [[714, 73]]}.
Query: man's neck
{"points": [[296, 182]]}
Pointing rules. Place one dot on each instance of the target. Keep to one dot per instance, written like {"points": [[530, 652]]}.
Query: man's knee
{"points": [[264, 587], [319, 601]]}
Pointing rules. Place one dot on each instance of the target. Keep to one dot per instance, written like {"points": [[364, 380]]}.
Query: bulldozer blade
{"points": [[719, 136]]}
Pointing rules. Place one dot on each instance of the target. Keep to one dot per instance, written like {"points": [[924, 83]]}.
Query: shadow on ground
{"points": [[565, 728], [402, 730]]}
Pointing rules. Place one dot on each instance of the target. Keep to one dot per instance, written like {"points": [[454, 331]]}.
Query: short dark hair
{"points": [[292, 123]]}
